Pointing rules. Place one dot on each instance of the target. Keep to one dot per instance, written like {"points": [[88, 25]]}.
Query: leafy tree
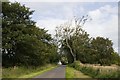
{"points": [[69, 35], [23, 42], [15, 20], [116, 58], [76, 43], [80, 44], [103, 50]]}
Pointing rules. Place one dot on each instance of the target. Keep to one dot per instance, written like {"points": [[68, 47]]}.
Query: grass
{"points": [[73, 73], [23, 72], [36, 73], [100, 71], [97, 71]]}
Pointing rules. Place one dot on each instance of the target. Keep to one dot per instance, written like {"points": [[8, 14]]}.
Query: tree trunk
{"points": [[74, 56]]}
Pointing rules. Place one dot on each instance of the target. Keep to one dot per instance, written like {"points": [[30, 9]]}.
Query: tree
{"points": [[80, 43], [116, 58], [23, 42], [15, 21], [103, 50], [69, 31]]}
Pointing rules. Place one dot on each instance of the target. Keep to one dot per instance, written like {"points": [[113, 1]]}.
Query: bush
{"points": [[75, 65]]}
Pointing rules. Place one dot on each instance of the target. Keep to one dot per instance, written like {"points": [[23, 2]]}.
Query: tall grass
{"points": [[24, 72], [97, 71], [73, 73]]}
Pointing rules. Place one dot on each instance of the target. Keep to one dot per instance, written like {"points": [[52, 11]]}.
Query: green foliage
{"points": [[23, 42], [89, 71], [75, 65], [81, 47], [78, 45], [64, 60], [73, 73], [96, 73], [24, 72], [102, 49], [116, 58]]}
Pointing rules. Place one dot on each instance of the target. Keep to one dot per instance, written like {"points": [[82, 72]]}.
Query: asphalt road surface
{"points": [[58, 72]]}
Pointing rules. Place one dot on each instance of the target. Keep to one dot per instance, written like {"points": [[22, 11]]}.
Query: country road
{"points": [[58, 72]]}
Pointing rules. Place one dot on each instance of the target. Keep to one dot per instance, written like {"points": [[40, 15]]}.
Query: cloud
{"points": [[104, 23], [103, 12], [104, 20], [50, 24], [104, 17], [54, 10]]}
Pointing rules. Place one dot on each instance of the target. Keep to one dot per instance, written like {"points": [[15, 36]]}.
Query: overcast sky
{"points": [[104, 15]]}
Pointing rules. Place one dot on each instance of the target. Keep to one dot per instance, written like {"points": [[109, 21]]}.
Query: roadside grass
{"points": [[23, 72], [73, 73], [97, 71]]}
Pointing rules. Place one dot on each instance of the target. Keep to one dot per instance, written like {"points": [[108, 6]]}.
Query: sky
{"points": [[52, 13]]}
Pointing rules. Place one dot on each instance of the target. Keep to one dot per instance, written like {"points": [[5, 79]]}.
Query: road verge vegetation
{"points": [[24, 72], [97, 71], [73, 73]]}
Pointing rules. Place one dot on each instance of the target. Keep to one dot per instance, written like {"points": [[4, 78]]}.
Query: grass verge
{"points": [[97, 72], [73, 73], [23, 72]]}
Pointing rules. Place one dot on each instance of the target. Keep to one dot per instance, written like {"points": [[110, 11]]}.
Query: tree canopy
{"points": [[78, 45], [23, 42]]}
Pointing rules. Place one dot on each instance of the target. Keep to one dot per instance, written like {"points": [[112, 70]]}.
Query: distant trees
{"points": [[23, 43], [76, 43], [116, 58], [67, 35], [102, 49]]}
